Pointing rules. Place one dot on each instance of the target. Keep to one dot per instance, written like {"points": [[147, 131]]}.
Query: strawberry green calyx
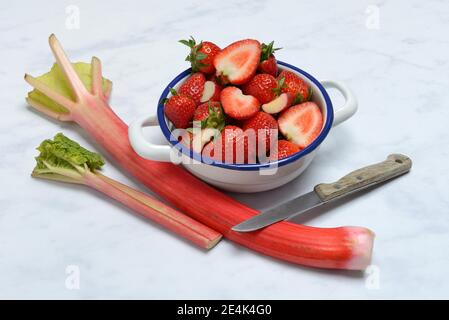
{"points": [[310, 94], [215, 119], [280, 85], [300, 99], [267, 50], [173, 93], [195, 57]]}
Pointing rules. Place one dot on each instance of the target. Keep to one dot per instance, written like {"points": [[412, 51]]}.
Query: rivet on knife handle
{"points": [[395, 165]]}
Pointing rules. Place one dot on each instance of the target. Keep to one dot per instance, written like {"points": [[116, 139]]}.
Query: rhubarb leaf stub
{"points": [[56, 80]]}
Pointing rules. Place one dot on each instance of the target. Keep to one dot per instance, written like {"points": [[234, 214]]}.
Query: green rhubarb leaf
{"points": [[63, 152], [56, 80]]}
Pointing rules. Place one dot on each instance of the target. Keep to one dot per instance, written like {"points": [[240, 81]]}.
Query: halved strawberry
{"points": [[203, 137], [282, 102], [264, 128], [211, 91], [268, 63], [230, 147], [238, 62], [196, 139], [301, 124], [186, 139], [201, 55], [193, 87], [296, 86], [210, 114], [262, 86], [285, 149], [179, 109], [237, 105]]}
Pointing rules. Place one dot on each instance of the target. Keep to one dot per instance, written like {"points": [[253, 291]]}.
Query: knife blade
{"points": [[395, 165]]}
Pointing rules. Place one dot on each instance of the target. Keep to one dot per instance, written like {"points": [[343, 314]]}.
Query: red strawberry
{"points": [[179, 109], [210, 114], [265, 128], [231, 147], [238, 62], [285, 149], [262, 86], [193, 87], [201, 55], [296, 86], [237, 105], [269, 66], [268, 63], [301, 124], [211, 92]]}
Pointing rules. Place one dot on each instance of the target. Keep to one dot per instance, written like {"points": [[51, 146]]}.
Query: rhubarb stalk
{"points": [[338, 248], [62, 159]]}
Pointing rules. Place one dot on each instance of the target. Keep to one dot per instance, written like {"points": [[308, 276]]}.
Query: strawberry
{"points": [[282, 102], [301, 124], [265, 128], [193, 87], [201, 55], [211, 91], [186, 139], [179, 109], [268, 63], [237, 63], [285, 149], [269, 66], [210, 114], [230, 147], [296, 86], [262, 86], [237, 105], [195, 140]]}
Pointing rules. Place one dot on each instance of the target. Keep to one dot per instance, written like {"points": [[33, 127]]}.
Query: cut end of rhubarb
{"points": [[213, 243], [362, 241]]}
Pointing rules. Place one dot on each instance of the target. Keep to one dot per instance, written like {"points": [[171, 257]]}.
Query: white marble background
{"points": [[398, 69]]}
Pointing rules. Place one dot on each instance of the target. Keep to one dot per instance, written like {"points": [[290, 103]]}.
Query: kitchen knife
{"points": [[395, 165]]}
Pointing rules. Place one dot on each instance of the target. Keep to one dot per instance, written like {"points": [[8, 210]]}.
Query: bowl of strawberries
{"points": [[240, 119]]}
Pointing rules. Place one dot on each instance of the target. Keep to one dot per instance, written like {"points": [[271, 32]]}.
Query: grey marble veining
{"points": [[397, 65]]}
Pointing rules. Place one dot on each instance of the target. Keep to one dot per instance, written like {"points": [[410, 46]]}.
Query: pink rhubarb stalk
{"points": [[338, 248], [62, 159]]}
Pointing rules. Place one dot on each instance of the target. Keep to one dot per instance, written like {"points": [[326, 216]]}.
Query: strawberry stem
{"points": [[267, 51]]}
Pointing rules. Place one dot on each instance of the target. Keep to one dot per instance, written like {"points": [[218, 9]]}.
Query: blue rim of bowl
{"points": [[246, 167]]}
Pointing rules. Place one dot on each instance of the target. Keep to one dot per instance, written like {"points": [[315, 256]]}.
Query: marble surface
{"points": [[393, 54]]}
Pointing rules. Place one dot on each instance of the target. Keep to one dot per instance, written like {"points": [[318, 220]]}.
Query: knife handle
{"points": [[395, 165]]}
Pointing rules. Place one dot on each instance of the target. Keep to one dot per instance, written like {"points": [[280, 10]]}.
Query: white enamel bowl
{"points": [[242, 177]]}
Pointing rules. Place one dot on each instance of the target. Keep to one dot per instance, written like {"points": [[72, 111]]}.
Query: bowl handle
{"points": [[143, 147], [350, 106]]}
